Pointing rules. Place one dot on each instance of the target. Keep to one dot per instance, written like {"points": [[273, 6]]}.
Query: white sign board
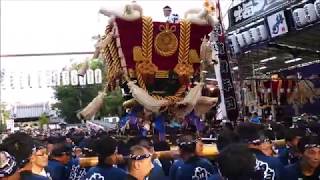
{"points": [[277, 24], [10, 125]]}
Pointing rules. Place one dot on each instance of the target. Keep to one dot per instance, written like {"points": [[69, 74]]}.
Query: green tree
{"points": [[43, 120], [72, 99], [113, 103], [96, 63]]}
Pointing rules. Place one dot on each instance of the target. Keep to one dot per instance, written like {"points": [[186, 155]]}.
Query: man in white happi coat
{"points": [[169, 16]]}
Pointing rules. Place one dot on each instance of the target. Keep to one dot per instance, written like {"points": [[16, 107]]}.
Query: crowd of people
{"points": [[246, 151]]}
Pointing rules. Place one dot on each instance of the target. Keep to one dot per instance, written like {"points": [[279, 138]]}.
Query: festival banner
{"points": [[219, 44]]}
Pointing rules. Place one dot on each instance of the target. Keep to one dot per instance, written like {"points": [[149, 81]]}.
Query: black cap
{"points": [[167, 8], [106, 146], [61, 149]]}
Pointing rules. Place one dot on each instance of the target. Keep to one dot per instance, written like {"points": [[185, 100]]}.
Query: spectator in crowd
{"points": [[52, 141], [139, 165], [76, 172], [8, 167], [267, 147], [309, 165], [20, 147], [257, 142], [22, 158], [39, 162], [25, 157], [289, 153], [175, 166], [255, 118], [166, 163], [225, 138], [106, 148], [193, 166], [236, 162], [59, 158], [156, 172]]}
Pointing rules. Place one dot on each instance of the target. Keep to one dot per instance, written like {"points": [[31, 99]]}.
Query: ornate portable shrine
{"points": [[158, 60]]}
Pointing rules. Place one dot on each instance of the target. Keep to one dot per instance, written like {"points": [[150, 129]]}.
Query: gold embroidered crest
{"points": [[166, 42]]}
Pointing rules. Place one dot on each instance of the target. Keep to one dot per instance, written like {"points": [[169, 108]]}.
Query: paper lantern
{"points": [[48, 78], [5, 79], [311, 13], [262, 32], [240, 40], [299, 16], [56, 78], [65, 78], [247, 38], [14, 80], [41, 79], [90, 76], [24, 80], [233, 44], [74, 77], [33, 80], [82, 80], [98, 76], [317, 7], [254, 35]]}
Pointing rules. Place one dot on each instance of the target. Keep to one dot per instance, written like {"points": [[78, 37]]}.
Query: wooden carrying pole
{"points": [[209, 150]]}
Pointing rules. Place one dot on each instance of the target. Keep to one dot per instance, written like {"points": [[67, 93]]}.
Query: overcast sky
{"points": [[44, 26]]}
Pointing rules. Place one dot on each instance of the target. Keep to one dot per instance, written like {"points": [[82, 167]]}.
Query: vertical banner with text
{"points": [[227, 87]]}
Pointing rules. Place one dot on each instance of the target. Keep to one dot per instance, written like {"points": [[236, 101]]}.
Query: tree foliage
{"points": [[72, 99], [43, 120], [113, 103]]}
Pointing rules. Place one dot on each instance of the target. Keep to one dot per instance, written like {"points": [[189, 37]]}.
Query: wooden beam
{"points": [[209, 151]]}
